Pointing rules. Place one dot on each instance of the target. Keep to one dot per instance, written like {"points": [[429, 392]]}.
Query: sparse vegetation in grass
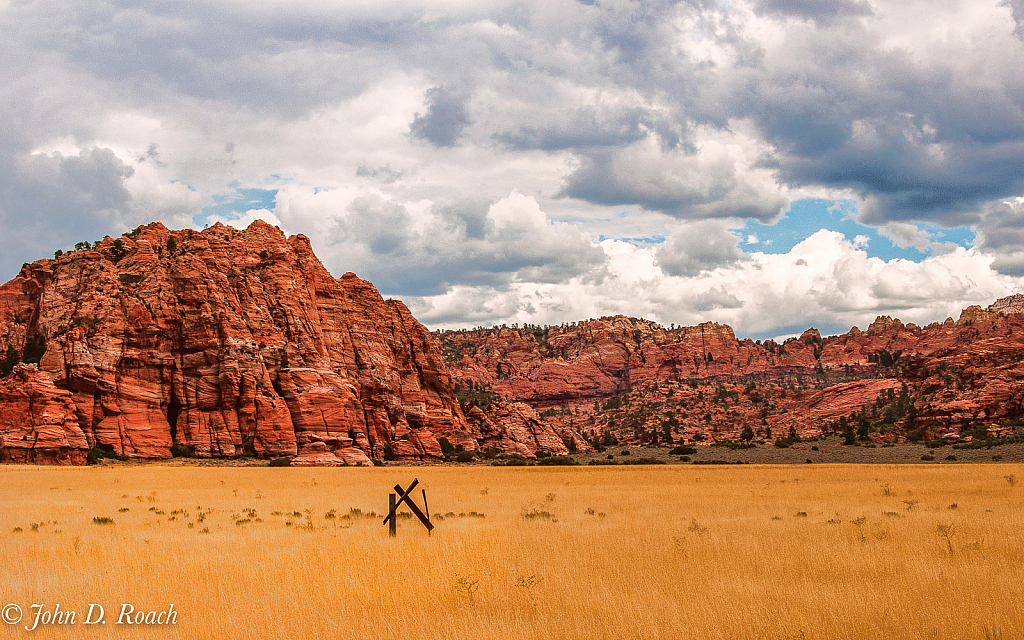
{"points": [[946, 531], [102, 520], [651, 517], [859, 523], [535, 513]]}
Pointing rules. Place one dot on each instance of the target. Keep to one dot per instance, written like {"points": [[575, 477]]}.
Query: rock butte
{"points": [[227, 342]]}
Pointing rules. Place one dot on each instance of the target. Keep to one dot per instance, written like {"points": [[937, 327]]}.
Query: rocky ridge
{"points": [[221, 343], [628, 380]]}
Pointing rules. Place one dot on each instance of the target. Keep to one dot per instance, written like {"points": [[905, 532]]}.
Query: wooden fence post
{"points": [[393, 516]]}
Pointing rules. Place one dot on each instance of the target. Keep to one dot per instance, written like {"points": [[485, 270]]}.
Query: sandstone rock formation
{"points": [[225, 341], [959, 374]]}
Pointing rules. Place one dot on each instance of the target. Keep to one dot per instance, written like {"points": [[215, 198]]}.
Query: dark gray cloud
{"points": [[823, 11], [1001, 232], [51, 201], [585, 128], [447, 116], [384, 174], [1017, 7], [696, 247], [682, 185], [716, 298], [471, 242]]}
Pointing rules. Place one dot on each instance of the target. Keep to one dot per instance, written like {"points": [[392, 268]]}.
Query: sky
{"points": [[770, 164]]}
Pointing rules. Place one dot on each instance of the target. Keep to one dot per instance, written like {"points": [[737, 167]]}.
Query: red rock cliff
{"points": [[225, 341]]}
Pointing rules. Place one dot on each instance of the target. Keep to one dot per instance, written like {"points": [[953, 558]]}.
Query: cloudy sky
{"points": [[772, 164]]}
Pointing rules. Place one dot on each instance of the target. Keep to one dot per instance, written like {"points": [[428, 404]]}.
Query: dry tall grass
{"points": [[658, 552]]}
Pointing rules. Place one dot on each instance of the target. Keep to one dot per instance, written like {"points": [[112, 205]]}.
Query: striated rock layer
{"points": [[958, 374], [224, 341]]}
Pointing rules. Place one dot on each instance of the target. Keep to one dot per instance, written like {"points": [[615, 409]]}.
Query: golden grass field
{"points": [[679, 552]]}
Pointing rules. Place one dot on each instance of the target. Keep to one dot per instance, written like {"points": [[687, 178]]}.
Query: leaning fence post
{"points": [[427, 509]]}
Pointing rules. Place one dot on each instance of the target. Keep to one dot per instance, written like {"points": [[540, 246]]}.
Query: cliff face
{"points": [[958, 374], [225, 341]]}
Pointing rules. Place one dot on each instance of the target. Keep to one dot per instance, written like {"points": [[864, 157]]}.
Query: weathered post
{"points": [[392, 518], [427, 509], [405, 496]]}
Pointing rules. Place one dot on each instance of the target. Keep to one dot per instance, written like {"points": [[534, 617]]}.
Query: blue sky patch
{"points": [[808, 216], [234, 205]]}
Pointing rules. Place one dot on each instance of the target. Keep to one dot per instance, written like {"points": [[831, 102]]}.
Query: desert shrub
{"points": [[624, 452], [10, 361], [536, 513], [684, 458], [179, 450], [729, 444], [34, 350], [683, 450], [644, 461], [102, 520], [557, 461], [511, 461], [951, 458], [280, 462], [927, 457], [94, 455], [464, 456], [447, 448]]}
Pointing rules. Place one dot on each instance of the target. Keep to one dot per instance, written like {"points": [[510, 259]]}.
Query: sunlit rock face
{"points": [[225, 341]]}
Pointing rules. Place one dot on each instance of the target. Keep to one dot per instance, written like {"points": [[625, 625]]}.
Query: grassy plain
{"points": [[814, 551]]}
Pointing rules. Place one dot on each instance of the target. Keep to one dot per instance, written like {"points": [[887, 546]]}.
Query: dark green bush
{"points": [[34, 350], [280, 462], [179, 450], [558, 461], [927, 457], [683, 450], [447, 448], [729, 444], [464, 456], [644, 461]]}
